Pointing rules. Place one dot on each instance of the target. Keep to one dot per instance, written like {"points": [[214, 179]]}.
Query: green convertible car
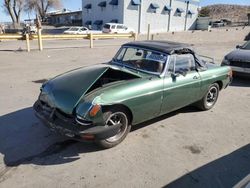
{"points": [[144, 80]]}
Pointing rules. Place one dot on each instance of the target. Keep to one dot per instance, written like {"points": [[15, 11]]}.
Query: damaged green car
{"points": [[144, 80]]}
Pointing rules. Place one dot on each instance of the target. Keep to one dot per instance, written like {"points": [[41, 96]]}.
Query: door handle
{"points": [[195, 77]]}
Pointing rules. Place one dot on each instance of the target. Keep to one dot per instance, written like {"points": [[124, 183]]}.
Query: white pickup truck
{"points": [[80, 31]]}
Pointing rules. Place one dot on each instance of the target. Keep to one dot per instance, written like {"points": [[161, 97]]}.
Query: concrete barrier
{"points": [[91, 37]]}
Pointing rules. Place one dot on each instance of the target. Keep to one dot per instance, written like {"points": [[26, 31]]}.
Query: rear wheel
{"points": [[114, 117], [210, 98]]}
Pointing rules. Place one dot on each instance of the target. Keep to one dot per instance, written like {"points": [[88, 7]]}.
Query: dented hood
{"points": [[66, 90]]}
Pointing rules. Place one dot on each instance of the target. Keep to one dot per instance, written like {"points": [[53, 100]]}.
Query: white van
{"points": [[116, 28]]}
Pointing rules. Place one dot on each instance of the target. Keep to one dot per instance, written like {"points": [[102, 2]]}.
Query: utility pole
{"points": [[140, 17], [169, 16], [186, 17]]}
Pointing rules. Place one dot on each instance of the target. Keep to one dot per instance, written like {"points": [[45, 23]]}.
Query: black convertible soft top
{"points": [[167, 47], [162, 46]]}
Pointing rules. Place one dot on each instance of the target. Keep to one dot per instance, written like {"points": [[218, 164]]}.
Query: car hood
{"points": [[239, 55], [65, 91]]}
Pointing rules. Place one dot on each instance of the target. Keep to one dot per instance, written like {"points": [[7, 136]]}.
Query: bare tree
{"points": [[42, 6], [14, 8]]}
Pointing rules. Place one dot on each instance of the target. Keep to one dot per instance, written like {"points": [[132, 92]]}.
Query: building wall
{"points": [[129, 14], [106, 14]]}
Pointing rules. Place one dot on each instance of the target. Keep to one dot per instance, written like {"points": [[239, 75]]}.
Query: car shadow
{"points": [[226, 171], [240, 82], [24, 140]]}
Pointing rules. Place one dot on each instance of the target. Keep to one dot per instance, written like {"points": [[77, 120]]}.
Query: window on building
{"points": [[98, 24], [190, 14], [113, 2], [167, 9], [88, 7], [154, 7], [102, 4], [135, 2], [88, 23], [179, 12]]}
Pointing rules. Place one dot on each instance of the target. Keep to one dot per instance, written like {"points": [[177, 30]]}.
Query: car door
{"points": [[78, 31], [182, 83], [119, 28]]}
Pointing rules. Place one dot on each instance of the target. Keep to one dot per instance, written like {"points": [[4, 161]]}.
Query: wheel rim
{"points": [[115, 119], [212, 96]]}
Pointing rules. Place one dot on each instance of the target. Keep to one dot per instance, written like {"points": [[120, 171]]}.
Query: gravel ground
{"points": [[186, 148]]}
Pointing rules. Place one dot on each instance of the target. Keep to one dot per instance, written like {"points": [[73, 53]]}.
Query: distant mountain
{"points": [[235, 13]]}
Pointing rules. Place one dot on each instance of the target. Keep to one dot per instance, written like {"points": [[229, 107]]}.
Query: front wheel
{"points": [[210, 98], [114, 117]]}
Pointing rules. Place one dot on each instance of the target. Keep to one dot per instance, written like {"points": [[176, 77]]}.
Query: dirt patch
{"points": [[145, 136], [194, 149]]}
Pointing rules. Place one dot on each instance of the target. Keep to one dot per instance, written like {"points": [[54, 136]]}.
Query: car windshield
{"points": [[246, 46], [74, 29], [141, 59]]}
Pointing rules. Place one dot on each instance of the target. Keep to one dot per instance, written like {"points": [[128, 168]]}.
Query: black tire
{"points": [[210, 98], [124, 130]]}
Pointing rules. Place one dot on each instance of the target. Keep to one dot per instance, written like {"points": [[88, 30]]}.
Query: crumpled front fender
{"points": [[83, 110]]}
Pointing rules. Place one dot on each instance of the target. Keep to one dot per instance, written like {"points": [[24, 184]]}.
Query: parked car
{"points": [[30, 29], [144, 80], [218, 24], [80, 31], [239, 60], [244, 183], [116, 28], [247, 38], [226, 22], [33, 29]]}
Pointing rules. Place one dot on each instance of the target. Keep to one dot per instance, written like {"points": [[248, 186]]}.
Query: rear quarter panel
{"points": [[214, 74]]}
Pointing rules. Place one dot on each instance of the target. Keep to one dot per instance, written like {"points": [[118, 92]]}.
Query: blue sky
{"points": [[76, 5]]}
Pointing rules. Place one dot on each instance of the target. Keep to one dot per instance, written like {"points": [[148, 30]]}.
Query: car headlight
{"points": [[225, 62]]}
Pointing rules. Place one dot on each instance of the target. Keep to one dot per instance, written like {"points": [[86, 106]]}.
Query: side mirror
{"points": [[175, 75], [238, 46]]}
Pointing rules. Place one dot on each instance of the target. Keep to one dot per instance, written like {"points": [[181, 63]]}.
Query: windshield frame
{"points": [[117, 62], [245, 45]]}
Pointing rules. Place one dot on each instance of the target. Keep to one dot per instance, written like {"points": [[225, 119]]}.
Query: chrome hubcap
{"points": [[212, 96], [115, 119]]}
